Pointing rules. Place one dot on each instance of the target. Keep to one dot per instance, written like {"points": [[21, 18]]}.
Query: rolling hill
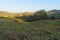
{"points": [[8, 14], [36, 30], [39, 30]]}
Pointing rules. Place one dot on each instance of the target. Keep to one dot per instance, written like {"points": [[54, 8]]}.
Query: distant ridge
{"points": [[7, 14]]}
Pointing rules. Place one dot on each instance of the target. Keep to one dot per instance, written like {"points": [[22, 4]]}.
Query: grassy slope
{"points": [[43, 29], [8, 24]]}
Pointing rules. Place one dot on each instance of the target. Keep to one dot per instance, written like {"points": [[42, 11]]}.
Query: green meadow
{"points": [[42, 29]]}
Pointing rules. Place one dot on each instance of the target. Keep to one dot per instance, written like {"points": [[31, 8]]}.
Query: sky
{"points": [[28, 5]]}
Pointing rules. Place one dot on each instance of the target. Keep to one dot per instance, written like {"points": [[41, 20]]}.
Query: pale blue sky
{"points": [[28, 5]]}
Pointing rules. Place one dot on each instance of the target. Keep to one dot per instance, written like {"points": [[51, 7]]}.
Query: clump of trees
{"points": [[41, 15]]}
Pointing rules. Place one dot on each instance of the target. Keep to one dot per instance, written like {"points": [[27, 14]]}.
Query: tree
{"points": [[27, 16], [41, 14], [52, 17]]}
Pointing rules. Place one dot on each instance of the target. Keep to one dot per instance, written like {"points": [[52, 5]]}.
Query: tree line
{"points": [[41, 15]]}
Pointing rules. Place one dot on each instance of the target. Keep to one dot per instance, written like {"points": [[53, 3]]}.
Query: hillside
{"points": [[9, 24], [8, 14], [37, 30]]}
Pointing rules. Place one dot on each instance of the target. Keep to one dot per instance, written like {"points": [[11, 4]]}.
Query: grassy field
{"points": [[37, 30]]}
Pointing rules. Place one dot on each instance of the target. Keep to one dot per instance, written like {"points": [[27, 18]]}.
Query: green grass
{"points": [[8, 24], [43, 29]]}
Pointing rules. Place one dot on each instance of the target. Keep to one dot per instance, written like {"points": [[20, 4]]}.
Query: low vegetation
{"points": [[36, 30], [36, 26]]}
